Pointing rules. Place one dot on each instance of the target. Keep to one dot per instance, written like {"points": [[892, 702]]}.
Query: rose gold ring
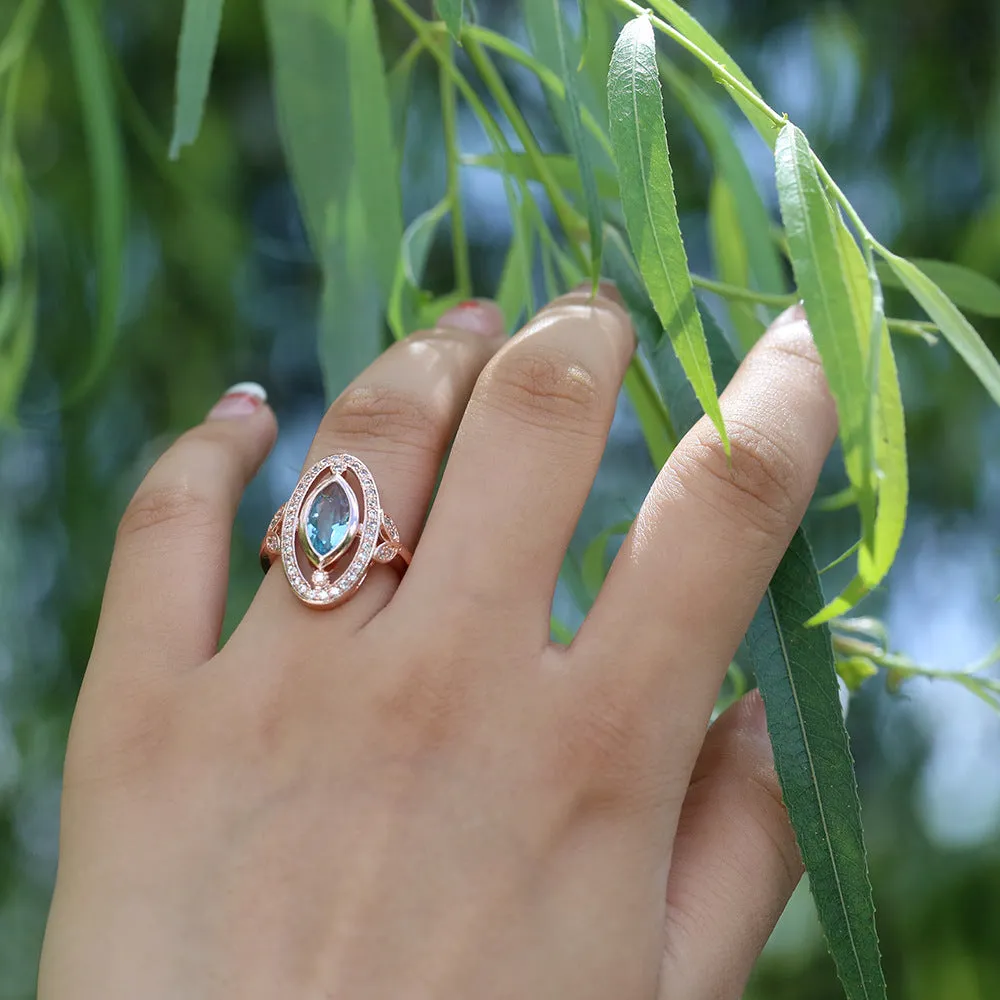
{"points": [[333, 516]]}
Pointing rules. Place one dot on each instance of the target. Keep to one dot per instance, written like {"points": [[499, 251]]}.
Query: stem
{"points": [[549, 80], [743, 294], [570, 220], [914, 328], [718, 70], [459, 239]]}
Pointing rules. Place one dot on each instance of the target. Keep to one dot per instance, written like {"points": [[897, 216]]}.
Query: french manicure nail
{"points": [[239, 400]]}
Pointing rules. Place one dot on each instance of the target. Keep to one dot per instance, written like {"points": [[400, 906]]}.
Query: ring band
{"points": [[329, 519]]}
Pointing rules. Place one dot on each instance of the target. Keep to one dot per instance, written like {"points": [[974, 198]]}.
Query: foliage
{"points": [[340, 112]]}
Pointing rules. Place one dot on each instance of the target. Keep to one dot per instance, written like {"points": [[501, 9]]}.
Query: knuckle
{"points": [[387, 414], [761, 485], [159, 507], [545, 385], [170, 497]]}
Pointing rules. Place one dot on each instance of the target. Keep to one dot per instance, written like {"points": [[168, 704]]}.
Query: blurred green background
{"points": [[902, 102]]}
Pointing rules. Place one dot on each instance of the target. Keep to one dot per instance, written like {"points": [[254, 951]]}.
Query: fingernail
{"points": [[793, 314], [475, 315], [606, 289], [239, 400]]}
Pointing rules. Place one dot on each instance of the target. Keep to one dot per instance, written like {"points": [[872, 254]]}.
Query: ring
{"points": [[325, 521]]}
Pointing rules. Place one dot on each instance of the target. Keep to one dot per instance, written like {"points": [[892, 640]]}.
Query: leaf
{"points": [[795, 671], [578, 143], [195, 54], [877, 554], [638, 136], [108, 177], [650, 411], [404, 302], [968, 289], [694, 32], [594, 565], [336, 125], [754, 219], [957, 330], [563, 168], [452, 12], [813, 244], [18, 306], [732, 258]]}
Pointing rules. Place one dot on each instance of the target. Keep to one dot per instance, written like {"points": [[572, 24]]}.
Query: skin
{"points": [[416, 794]]}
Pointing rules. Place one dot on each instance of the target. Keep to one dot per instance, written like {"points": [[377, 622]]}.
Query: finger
{"points": [[524, 460], [710, 535], [166, 590], [735, 861], [398, 417]]}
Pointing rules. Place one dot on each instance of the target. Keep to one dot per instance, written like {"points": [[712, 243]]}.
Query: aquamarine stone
{"points": [[331, 522]]}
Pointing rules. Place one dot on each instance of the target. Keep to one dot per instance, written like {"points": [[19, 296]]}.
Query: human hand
{"points": [[415, 794]]}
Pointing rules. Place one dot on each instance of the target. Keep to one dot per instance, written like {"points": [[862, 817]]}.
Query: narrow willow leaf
{"points": [[562, 168], [452, 12], [109, 179], [578, 143], [18, 306], [308, 40], [756, 226], [651, 412], [795, 671], [404, 302], [876, 557], [968, 289], [512, 292], [957, 330], [399, 82], [732, 258], [336, 126], [550, 40], [561, 633], [195, 55], [594, 565], [376, 160], [596, 42], [811, 227], [688, 26], [638, 135]]}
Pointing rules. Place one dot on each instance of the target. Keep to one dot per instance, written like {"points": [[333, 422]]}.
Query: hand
{"points": [[415, 794]]}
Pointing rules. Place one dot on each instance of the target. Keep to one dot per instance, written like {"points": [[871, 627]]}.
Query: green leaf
{"points": [[732, 258], [694, 32], [968, 289], [594, 565], [405, 299], [814, 246], [753, 217], [337, 128], [563, 169], [957, 330], [18, 306], [579, 146], [794, 666], [195, 55], [108, 177], [452, 12], [638, 136], [877, 553]]}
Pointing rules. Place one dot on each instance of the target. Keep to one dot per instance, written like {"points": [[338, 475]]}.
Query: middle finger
{"points": [[524, 461]]}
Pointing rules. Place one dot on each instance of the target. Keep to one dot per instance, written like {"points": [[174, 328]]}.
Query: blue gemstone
{"points": [[330, 524]]}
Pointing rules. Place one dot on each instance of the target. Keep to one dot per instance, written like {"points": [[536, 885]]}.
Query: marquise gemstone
{"points": [[332, 521]]}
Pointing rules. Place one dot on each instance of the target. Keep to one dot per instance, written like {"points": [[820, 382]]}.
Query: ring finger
{"points": [[398, 417]]}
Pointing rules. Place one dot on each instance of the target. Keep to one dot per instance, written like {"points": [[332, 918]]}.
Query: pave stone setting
{"points": [[324, 591]]}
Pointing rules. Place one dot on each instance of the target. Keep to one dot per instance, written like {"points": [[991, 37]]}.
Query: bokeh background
{"points": [[901, 100]]}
